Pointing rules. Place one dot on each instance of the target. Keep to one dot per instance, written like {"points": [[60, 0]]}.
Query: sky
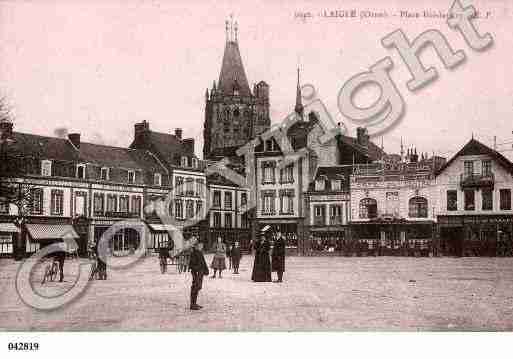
{"points": [[98, 67]]}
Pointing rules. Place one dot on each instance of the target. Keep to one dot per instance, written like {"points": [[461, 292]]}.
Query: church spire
{"points": [[299, 105]]}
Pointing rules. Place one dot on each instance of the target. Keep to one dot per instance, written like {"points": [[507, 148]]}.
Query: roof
{"points": [[221, 152], [232, 71], [372, 150], [474, 147], [167, 146], [217, 179], [331, 173], [54, 148]]}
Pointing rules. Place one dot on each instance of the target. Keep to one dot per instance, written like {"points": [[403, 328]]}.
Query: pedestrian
{"points": [[229, 254], [101, 254], [219, 262], [262, 264], [198, 268], [236, 255], [60, 257], [278, 256]]}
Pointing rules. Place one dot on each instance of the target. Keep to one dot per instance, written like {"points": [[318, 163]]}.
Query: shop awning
{"points": [[155, 227], [52, 231], [9, 228]]}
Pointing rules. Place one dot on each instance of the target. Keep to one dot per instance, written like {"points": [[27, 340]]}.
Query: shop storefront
{"points": [[479, 235], [42, 235], [8, 233]]}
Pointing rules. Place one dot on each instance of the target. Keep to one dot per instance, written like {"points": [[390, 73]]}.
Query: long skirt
{"points": [[218, 263]]}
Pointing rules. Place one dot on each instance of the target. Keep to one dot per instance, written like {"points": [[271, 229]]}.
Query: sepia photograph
{"points": [[254, 167]]}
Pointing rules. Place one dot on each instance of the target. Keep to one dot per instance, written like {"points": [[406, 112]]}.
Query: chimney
{"points": [[178, 133], [188, 145], [6, 129], [362, 138], [74, 138], [141, 130]]}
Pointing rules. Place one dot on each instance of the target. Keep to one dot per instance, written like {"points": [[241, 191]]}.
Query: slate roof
{"points": [[216, 178], [372, 150], [474, 147], [53, 148], [329, 173], [232, 71]]}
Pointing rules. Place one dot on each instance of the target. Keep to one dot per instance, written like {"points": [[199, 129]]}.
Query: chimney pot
{"points": [[178, 133]]}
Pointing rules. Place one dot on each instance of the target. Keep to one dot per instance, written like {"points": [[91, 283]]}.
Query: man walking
{"points": [[198, 268], [236, 255], [278, 256]]}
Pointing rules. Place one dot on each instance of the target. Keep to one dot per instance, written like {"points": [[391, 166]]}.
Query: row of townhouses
{"points": [[343, 195]]}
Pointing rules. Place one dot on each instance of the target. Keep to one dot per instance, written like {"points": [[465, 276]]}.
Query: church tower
{"points": [[234, 114]]}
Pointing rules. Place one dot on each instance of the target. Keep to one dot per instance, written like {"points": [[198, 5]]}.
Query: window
{"points": [[418, 207], [136, 205], [243, 199], [320, 184], [268, 202], [157, 179], [184, 161], [287, 202], [217, 219], [104, 174], [123, 204], [335, 211], [179, 185], [244, 220], [469, 200], [268, 175], [287, 174], [368, 208], [200, 187], [336, 185], [319, 215], [36, 201], [131, 176], [6, 244], [392, 204], [505, 199], [46, 168], [4, 208], [178, 209], [81, 169], [80, 203], [452, 200], [228, 220], [468, 168], [189, 209], [199, 209], [486, 167], [269, 146], [217, 199], [112, 203], [487, 199], [189, 186], [194, 162], [228, 200], [98, 203], [57, 202]]}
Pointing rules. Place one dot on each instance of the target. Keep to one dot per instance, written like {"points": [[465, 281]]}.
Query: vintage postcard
{"points": [[185, 166]]}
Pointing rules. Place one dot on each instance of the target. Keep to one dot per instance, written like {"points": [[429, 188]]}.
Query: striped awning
{"points": [[9, 228], [155, 227], [52, 231]]}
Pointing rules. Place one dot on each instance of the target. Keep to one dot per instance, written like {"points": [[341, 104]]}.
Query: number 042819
{"points": [[21, 346]]}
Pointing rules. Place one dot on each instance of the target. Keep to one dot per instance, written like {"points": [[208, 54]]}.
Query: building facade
{"points": [[475, 215]]}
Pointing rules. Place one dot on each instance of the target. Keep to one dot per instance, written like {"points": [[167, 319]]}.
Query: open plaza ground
{"points": [[319, 293]]}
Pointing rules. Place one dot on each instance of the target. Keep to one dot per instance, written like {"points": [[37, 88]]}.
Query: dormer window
{"points": [[104, 174], [336, 185], [46, 168], [320, 184], [81, 170], [235, 92], [184, 161], [131, 176], [194, 162], [157, 179]]}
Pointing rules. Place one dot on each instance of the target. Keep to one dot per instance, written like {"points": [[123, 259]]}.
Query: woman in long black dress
{"points": [[262, 265]]}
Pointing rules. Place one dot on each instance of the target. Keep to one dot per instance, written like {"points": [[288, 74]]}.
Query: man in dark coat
{"points": [[262, 264], [236, 255], [60, 256], [278, 256], [198, 268]]}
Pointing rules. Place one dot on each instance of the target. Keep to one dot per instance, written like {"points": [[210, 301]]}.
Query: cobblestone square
{"points": [[319, 293]]}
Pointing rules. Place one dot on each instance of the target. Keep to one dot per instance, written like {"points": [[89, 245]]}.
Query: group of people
{"points": [[265, 265], [267, 260]]}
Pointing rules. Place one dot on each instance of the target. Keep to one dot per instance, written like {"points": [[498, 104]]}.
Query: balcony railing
{"points": [[319, 221], [118, 214], [336, 221], [477, 180]]}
